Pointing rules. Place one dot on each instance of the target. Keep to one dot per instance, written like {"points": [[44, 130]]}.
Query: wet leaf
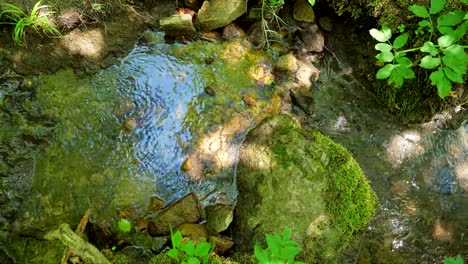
{"points": [[446, 40], [384, 47], [381, 36], [451, 18], [385, 56]]}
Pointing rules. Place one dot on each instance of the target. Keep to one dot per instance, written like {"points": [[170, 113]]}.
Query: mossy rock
{"points": [[301, 180]]}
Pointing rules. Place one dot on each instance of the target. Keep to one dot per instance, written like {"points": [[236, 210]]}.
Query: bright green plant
{"points": [[455, 260], [188, 253], [38, 20], [124, 226], [447, 57], [280, 250]]}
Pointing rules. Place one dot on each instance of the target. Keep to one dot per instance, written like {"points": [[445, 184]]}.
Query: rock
{"points": [[185, 210], [222, 244], [303, 99], [196, 232], [250, 100], [219, 13], [155, 204], [320, 193], [193, 4], [218, 217], [179, 25], [209, 90], [303, 11], [148, 242], [255, 34], [232, 31], [312, 38], [286, 62], [305, 73], [130, 124], [151, 37], [326, 23]]}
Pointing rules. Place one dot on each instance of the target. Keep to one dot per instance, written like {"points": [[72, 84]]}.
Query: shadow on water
{"points": [[419, 172]]}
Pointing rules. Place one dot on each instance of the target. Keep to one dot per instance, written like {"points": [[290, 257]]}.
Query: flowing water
{"points": [[419, 172], [124, 134]]}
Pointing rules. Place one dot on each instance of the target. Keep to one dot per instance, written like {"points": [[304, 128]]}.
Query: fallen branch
{"points": [[81, 248]]}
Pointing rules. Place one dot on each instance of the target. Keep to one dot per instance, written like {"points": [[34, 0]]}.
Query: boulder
{"points": [[179, 25], [218, 217], [303, 11], [301, 180], [185, 210], [219, 13], [286, 62]]}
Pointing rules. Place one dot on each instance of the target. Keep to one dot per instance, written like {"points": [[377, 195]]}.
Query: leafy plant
{"points": [[455, 260], [124, 226], [280, 249], [447, 57], [38, 20], [188, 253]]}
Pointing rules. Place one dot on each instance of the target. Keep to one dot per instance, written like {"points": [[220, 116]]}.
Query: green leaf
{"points": [[385, 56], [382, 36], [453, 260], [429, 62], [176, 239], [419, 11], [312, 2], [460, 31], [193, 260], [287, 232], [173, 253], [446, 40], [453, 76], [430, 48], [384, 72], [400, 41], [451, 18], [404, 62], [396, 78], [444, 29], [400, 54], [261, 254], [404, 72], [454, 64], [202, 249], [424, 23], [124, 226], [436, 6], [188, 248], [443, 84], [290, 252], [384, 47]]}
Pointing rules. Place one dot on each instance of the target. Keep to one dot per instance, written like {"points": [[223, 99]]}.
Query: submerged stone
{"points": [[301, 180]]}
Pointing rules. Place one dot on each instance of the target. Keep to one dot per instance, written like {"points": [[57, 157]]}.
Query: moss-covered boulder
{"points": [[302, 180]]}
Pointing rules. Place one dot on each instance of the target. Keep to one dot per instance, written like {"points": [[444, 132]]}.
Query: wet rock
{"points": [[232, 31], [185, 210], [255, 35], [130, 124], [312, 39], [250, 100], [123, 107], [287, 62], [212, 36], [219, 13], [320, 192], [222, 244], [70, 18], [209, 90], [179, 25], [151, 37], [218, 217], [326, 23], [303, 11], [303, 99], [306, 73], [193, 4], [148, 242], [196, 232], [155, 204]]}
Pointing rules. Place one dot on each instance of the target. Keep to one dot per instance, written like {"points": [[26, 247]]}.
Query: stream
{"points": [[124, 134]]}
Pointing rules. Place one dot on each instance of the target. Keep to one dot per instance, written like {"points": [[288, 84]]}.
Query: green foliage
{"points": [[447, 58], [455, 260], [188, 253], [124, 225], [280, 249], [37, 20]]}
